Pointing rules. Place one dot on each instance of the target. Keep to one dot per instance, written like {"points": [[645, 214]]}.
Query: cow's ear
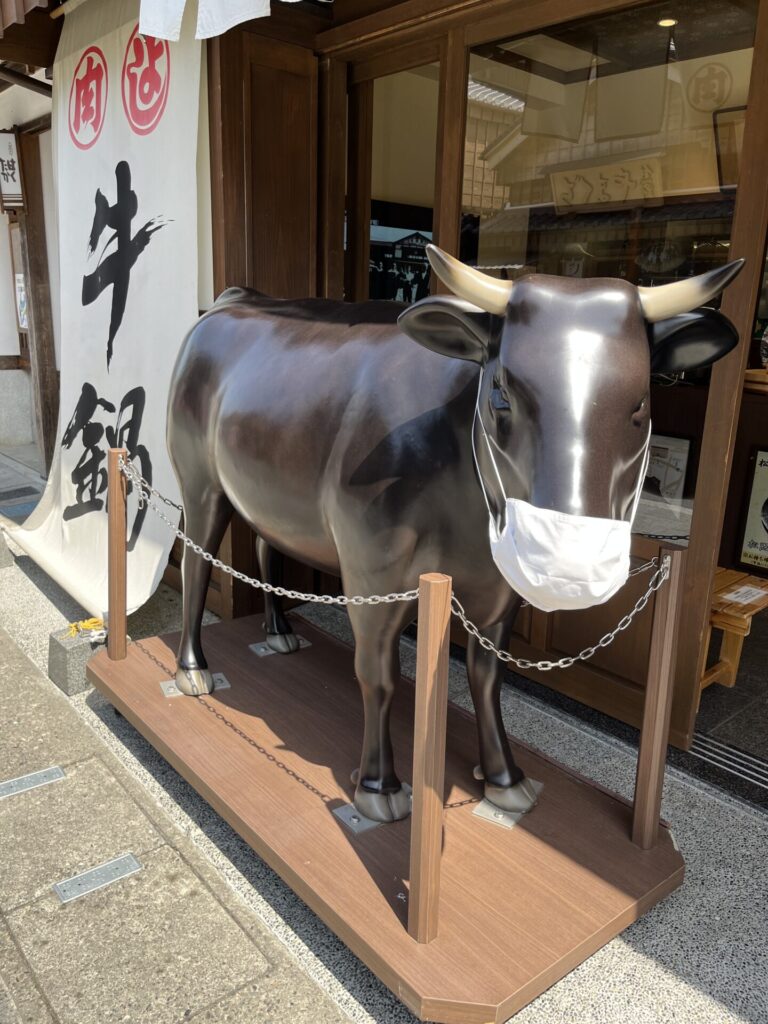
{"points": [[450, 327], [690, 341]]}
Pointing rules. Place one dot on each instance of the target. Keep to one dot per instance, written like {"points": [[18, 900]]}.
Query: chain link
{"points": [[145, 492], [658, 578]]}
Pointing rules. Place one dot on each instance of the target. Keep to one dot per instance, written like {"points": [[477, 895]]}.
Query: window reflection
{"points": [[402, 182], [609, 147]]}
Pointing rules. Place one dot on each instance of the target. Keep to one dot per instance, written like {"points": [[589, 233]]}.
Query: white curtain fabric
{"points": [[162, 18]]}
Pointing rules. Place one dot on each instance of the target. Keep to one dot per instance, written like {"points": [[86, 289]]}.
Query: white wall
{"points": [[205, 294]]}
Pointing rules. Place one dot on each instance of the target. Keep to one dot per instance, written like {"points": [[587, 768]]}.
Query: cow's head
{"points": [[563, 402]]}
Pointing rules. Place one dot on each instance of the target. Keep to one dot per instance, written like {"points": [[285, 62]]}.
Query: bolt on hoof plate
{"points": [[194, 682], [282, 643]]}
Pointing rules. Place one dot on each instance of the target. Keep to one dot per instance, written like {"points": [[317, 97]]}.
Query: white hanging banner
{"points": [[125, 119]]}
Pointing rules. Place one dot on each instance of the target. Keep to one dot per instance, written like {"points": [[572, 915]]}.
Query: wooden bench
{"points": [[735, 599]]}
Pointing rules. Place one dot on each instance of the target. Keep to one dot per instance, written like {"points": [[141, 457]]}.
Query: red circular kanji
{"points": [[145, 81], [88, 98]]}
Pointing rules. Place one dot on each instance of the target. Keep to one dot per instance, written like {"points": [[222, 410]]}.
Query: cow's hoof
{"points": [[282, 643], [194, 682], [383, 806], [516, 799]]}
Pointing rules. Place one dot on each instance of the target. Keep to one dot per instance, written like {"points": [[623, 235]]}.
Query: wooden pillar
{"points": [[42, 353], [451, 129], [117, 625], [429, 754], [654, 733], [359, 190]]}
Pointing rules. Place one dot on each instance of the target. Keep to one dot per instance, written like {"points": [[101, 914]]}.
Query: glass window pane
{"points": [[402, 182], [610, 147]]}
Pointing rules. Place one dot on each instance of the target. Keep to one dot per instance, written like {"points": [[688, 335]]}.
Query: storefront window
{"points": [[610, 147], [402, 182]]}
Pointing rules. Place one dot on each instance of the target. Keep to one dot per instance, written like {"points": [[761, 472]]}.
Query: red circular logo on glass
{"points": [[146, 77], [88, 98]]}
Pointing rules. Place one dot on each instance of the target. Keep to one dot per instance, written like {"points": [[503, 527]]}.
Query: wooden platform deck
{"points": [[273, 754]]}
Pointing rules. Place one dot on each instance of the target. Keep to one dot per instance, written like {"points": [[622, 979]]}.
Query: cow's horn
{"points": [[486, 292], [682, 296]]}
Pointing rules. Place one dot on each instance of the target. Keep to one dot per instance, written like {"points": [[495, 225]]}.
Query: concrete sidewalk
{"points": [[170, 943]]}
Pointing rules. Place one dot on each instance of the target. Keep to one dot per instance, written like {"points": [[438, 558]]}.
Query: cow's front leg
{"points": [[505, 784], [378, 793]]}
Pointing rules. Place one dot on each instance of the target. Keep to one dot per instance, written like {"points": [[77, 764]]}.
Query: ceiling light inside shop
{"points": [[666, 22], [481, 93]]}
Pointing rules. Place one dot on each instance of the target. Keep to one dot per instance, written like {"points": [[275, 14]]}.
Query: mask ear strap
{"points": [[479, 418]]}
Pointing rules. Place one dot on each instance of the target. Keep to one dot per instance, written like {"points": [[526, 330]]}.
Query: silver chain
{"points": [[145, 492], [658, 578]]}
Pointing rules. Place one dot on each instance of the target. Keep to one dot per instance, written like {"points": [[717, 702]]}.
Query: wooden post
{"points": [[654, 732], [429, 754], [117, 627]]}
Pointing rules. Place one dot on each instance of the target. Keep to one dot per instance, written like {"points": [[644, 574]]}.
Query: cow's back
{"points": [[297, 407]]}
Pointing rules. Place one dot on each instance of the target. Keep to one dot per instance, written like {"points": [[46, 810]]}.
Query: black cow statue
{"points": [[348, 446]]}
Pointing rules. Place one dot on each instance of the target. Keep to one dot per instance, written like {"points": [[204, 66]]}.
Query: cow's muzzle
{"points": [[556, 561]]}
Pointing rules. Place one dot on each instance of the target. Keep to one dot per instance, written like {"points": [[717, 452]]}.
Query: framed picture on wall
{"points": [[754, 542]]}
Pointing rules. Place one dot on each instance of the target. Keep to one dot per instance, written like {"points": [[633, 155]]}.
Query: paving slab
{"points": [[39, 726], [22, 992], [64, 828], [153, 948], [275, 999]]}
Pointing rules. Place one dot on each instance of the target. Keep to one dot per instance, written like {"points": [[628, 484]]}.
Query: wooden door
{"points": [[262, 95]]}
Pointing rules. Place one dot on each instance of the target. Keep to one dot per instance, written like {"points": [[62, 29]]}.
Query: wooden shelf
{"points": [[756, 381]]}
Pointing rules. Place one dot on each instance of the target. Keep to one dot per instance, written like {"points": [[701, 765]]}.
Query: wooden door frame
{"points": [[361, 76], [370, 44], [34, 253]]}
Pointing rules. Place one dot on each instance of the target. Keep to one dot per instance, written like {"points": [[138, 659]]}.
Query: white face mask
{"points": [[554, 560]]}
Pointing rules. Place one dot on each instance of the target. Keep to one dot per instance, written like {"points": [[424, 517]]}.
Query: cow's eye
{"points": [[498, 398]]}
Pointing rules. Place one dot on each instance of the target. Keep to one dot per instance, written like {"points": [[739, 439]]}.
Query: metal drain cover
{"points": [[25, 782], [96, 878]]}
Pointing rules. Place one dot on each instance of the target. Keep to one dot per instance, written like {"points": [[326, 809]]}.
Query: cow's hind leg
{"points": [[505, 784], [279, 633], [377, 628], [205, 521]]}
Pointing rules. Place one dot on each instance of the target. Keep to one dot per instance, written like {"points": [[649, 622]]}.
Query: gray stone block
{"points": [[67, 658], [6, 558]]}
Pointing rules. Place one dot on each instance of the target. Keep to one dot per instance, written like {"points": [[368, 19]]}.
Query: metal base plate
{"points": [[170, 689], [357, 822], [263, 650], [489, 812]]}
